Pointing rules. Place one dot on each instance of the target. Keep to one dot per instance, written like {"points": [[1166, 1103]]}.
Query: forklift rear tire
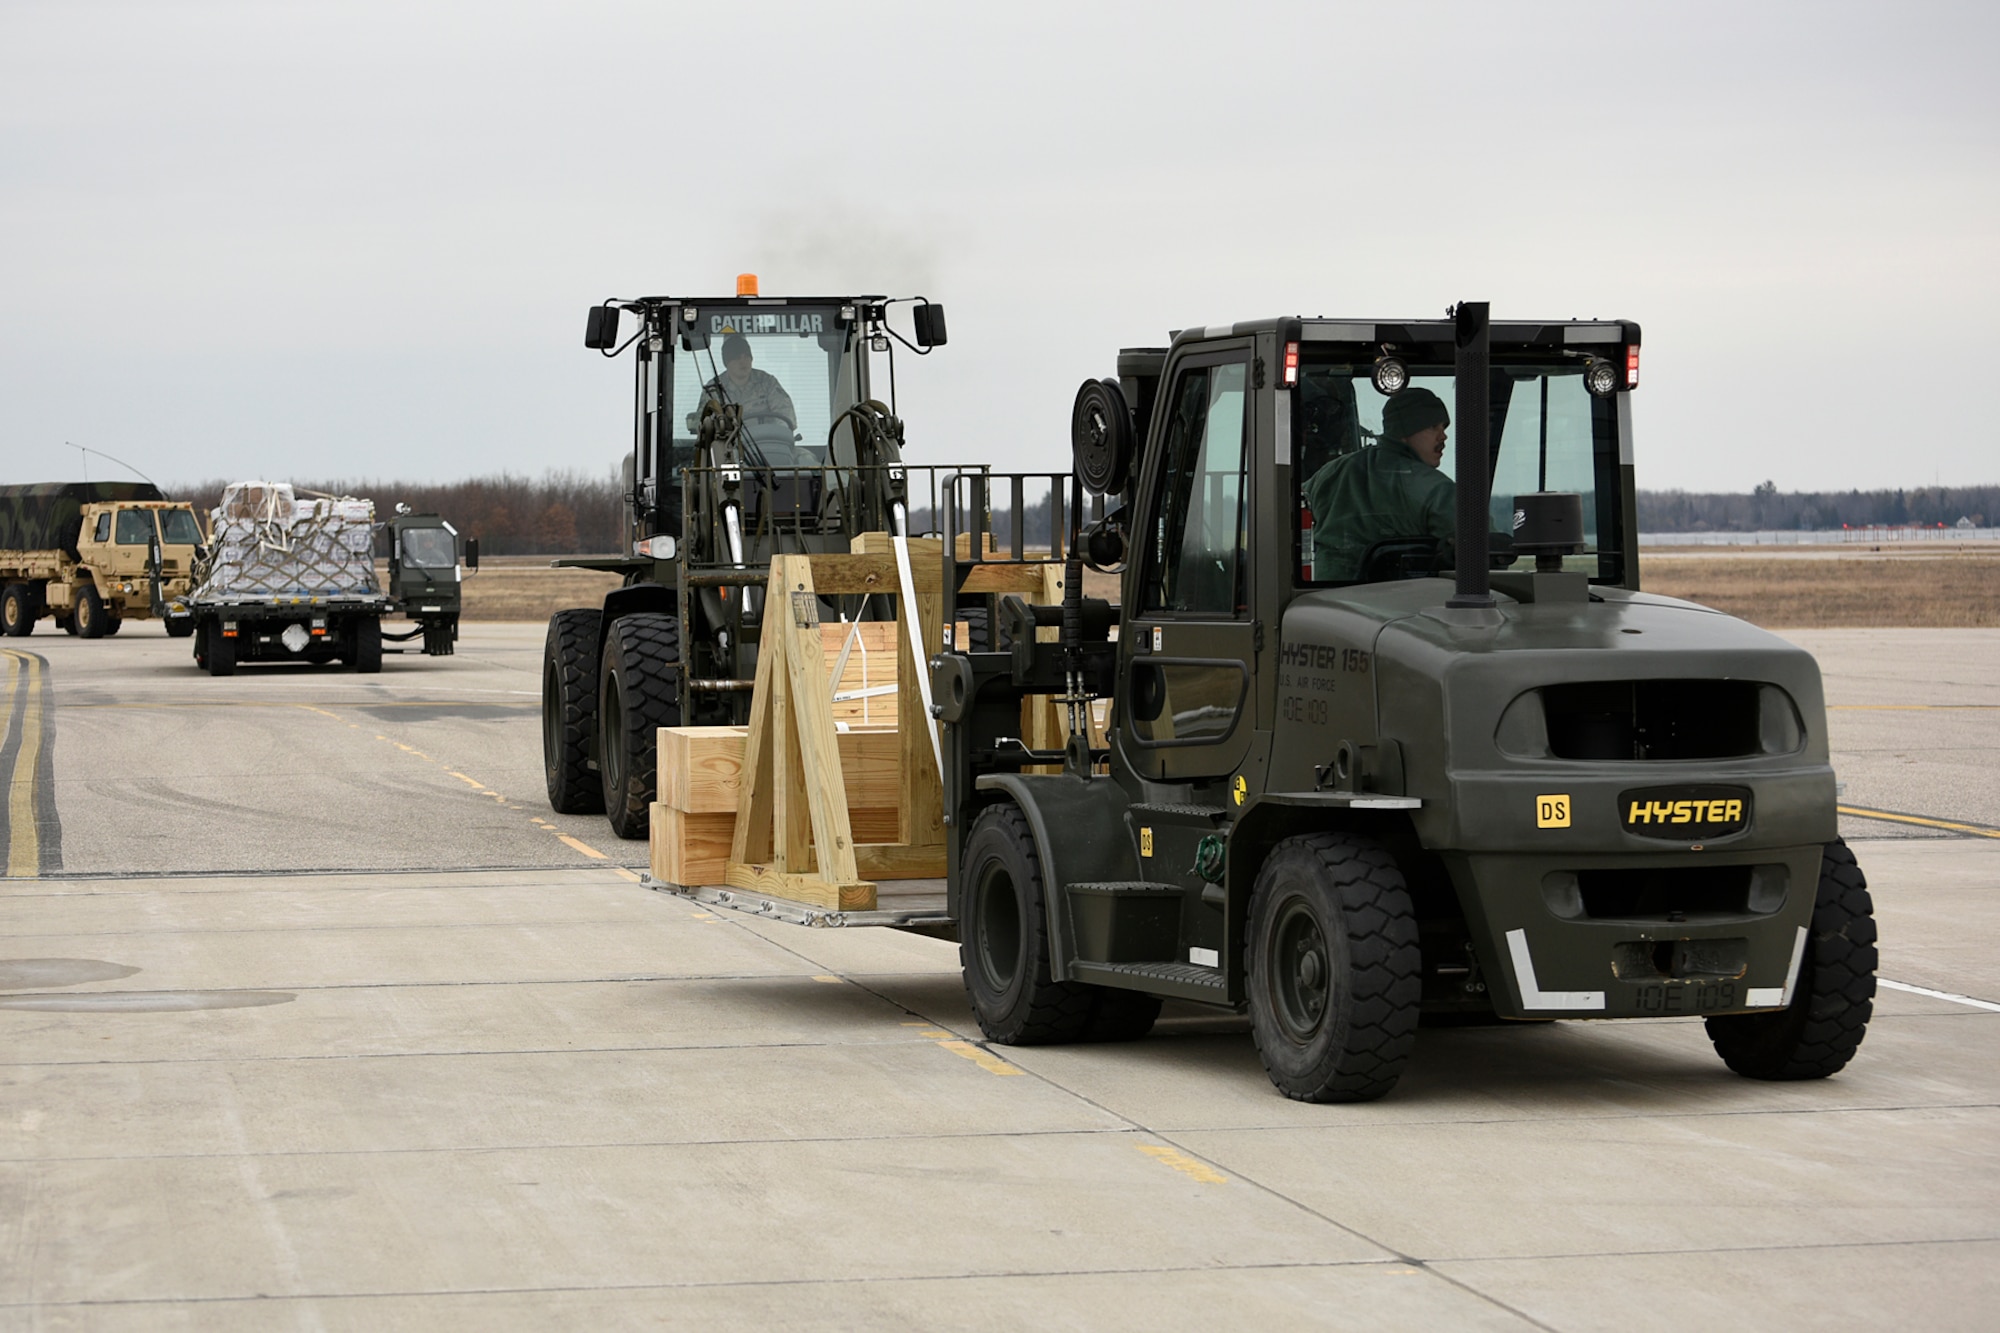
{"points": [[569, 711], [1834, 997], [638, 692], [221, 655], [1004, 945], [89, 614], [17, 610], [1332, 968], [367, 649]]}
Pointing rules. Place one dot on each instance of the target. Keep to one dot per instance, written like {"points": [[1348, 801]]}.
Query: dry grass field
{"points": [[1836, 589], [1803, 588]]}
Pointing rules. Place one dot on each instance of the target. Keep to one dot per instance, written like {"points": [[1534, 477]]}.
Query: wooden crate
{"points": [[690, 848]]}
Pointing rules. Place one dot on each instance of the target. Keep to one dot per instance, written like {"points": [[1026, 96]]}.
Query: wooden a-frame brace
{"points": [[793, 836]]}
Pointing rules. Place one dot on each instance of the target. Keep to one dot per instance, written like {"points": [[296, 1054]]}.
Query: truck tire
{"points": [[180, 627], [1834, 997], [1332, 968], [569, 711], [367, 646], [220, 657], [89, 614], [17, 610], [1004, 939], [112, 624], [638, 692]]}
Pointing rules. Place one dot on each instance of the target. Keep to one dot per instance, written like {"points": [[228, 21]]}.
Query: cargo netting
{"points": [[266, 542]]}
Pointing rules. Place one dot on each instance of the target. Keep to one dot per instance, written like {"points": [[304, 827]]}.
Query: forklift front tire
{"points": [[1004, 946], [1332, 968], [1834, 996]]}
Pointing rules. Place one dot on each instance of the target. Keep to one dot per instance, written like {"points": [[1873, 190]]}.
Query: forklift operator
{"points": [[757, 390], [1392, 490]]}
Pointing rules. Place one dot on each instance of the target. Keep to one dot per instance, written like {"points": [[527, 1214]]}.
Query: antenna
{"points": [[119, 461]]}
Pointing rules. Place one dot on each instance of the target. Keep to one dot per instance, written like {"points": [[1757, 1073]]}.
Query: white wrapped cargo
{"points": [[265, 542]]}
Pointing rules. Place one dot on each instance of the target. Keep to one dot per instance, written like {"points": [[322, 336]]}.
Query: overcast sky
{"points": [[358, 239]]}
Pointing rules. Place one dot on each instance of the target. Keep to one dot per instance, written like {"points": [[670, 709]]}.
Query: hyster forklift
{"points": [[756, 432], [1476, 776]]}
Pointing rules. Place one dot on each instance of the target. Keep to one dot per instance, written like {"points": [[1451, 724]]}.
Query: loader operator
{"points": [[757, 390], [1392, 490]]}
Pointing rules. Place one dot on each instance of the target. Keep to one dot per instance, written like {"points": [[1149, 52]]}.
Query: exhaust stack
{"points": [[1472, 415]]}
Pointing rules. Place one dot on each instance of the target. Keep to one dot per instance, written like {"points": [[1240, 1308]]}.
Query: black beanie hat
{"points": [[1413, 410], [733, 346]]}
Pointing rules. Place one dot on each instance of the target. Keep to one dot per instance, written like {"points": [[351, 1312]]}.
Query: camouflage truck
{"points": [[92, 555]]}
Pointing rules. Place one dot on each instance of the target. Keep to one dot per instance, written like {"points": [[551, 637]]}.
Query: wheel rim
{"points": [[551, 716], [612, 751], [1301, 970], [998, 915]]}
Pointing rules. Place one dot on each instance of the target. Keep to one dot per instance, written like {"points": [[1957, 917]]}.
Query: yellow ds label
{"points": [[1145, 842], [1552, 811]]}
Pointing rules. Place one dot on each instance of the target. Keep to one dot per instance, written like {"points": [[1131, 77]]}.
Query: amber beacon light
{"points": [[746, 284]]}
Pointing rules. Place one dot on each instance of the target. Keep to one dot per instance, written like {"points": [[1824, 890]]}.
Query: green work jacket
{"points": [[1371, 495]]}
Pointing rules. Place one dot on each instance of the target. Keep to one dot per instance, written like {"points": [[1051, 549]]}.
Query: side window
{"points": [[135, 527], [103, 533], [1197, 552]]}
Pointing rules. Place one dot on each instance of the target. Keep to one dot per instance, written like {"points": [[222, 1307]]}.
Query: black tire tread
{"points": [[642, 650], [1385, 963], [571, 648], [1055, 1011], [1828, 1017]]}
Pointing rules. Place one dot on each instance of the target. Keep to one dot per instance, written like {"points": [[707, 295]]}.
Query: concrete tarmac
{"points": [[323, 1021]]}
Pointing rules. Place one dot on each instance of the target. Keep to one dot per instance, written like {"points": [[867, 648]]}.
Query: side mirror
{"points": [[472, 552], [600, 331], [929, 319]]}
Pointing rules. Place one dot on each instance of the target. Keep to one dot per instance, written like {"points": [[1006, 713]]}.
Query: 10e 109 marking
{"points": [[1687, 997]]}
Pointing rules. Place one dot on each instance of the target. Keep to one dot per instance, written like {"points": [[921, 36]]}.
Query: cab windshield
{"points": [[790, 368], [1372, 507], [177, 528], [429, 548]]}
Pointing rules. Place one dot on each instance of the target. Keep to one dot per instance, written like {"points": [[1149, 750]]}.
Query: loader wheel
{"points": [[221, 654], [1004, 950], [180, 627], [638, 692], [1332, 968], [89, 614], [1820, 1030], [569, 711], [367, 645], [17, 611]]}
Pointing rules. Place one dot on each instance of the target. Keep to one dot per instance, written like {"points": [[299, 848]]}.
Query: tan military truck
{"points": [[92, 555]]}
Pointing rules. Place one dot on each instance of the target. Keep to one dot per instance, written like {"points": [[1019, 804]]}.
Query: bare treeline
{"points": [[572, 513], [558, 513], [1768, 509]]}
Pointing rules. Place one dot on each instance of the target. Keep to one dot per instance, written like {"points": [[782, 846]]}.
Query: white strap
{"points": [[917, 662]]}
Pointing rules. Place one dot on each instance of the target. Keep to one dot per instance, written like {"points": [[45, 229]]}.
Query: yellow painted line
{"points": [[831, 980], [1976, 830], [583, 847], [24, 841], [632, 875], [986, 1060], [1192, 1167], [453, 773]]}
